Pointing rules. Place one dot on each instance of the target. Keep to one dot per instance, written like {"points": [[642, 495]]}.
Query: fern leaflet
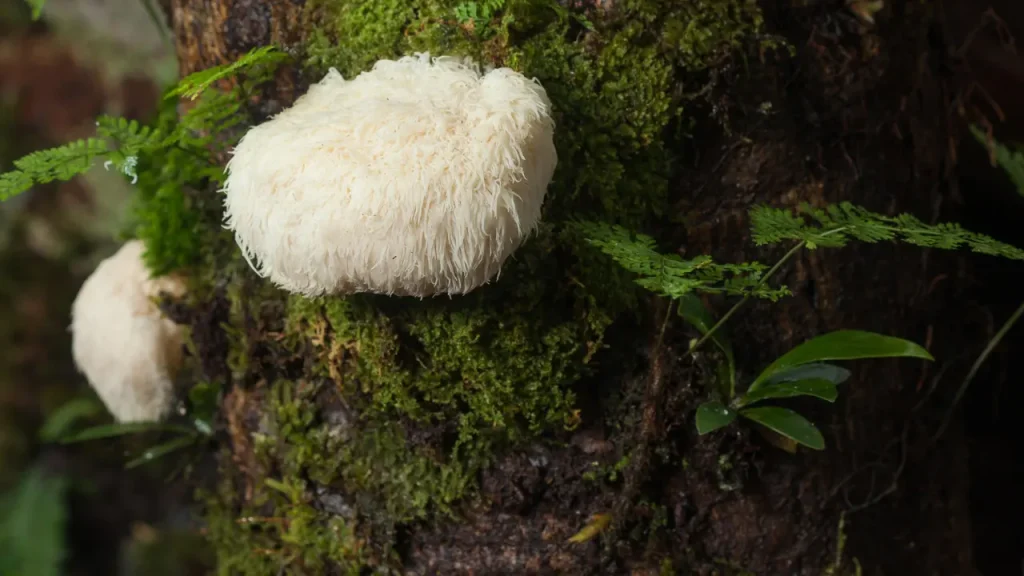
{"points": [[837, 224], [63, 163], [193, 85], [1012, 161], [14, 183], [671, 275]]}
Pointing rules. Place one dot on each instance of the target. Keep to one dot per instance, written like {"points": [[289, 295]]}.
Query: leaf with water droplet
{"points": [[713, 415]]}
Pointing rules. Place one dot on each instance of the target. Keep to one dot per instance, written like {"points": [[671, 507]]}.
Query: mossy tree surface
{"points": [[479, 433]]}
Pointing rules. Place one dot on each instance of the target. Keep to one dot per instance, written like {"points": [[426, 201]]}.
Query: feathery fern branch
{"points": [[837, 224], [193, 85], [121, 142], [672, 276], [62, 163]]}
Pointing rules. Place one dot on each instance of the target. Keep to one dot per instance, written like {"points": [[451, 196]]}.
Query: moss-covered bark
{"points": [[477, 434]]}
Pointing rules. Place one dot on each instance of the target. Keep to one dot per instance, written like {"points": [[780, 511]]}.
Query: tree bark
{"points": [[859, 113]]}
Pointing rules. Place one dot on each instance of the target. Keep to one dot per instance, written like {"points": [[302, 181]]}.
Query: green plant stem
{"points": [[771, 272], [989, 348], [738, 305]]}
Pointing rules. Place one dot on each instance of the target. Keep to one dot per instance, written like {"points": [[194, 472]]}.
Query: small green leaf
{"points": [[61, 420], [151, 454], [816, 387], [113, 430], [291, 491], [842, 345], [834, 374], [203, 400], [692, 309], [788, 423], [713, 415], [37, 8]]}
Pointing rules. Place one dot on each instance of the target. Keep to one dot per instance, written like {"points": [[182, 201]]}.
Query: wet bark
{"points": [[859, 113]]}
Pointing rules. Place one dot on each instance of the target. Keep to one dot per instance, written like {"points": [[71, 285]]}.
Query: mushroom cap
{"points": [[127, 350], [416, 178]]}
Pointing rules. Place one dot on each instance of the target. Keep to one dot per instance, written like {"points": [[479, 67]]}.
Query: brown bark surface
{"points": [[860, 114]]}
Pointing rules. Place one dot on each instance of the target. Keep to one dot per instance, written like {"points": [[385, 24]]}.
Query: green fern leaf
{"points": [[1012, 161], [840, 223], [63, 163], [195, 84], [13, 183], [669, 274], [208, 122], [130, 137]]}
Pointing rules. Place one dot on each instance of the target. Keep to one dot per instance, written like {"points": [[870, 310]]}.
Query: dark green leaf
{"points": [[816, 387], [203, 399], [834, 374], [842, 345], [113, 430], [67, 415], [692, 309], [788, 423], [32, 524], [164, 449], [713, 415]]}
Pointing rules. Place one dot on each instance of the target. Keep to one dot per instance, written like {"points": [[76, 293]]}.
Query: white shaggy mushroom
{"points": [[416, 178], [127, 350]]}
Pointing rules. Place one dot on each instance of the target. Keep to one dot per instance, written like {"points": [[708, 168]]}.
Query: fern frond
{"points": [[63, 163], [129, 139], [210, 119], [1012, 161], [193, 85], [837, 224], [669, 274], [14, 183]]}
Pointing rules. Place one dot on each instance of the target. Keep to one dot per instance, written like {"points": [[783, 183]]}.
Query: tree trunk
{"points": [[858, 112]]}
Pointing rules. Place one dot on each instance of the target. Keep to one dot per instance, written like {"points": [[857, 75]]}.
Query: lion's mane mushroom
{"points": [[127, 350], [418, 177]]}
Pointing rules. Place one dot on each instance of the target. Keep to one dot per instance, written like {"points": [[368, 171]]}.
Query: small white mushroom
{"points": [[418, 177], [127, 350]]}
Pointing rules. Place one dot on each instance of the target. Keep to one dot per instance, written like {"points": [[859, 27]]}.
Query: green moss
{"points": [[616, 89], [367, 463], [438, 387], [177, 211], [370, 28], [281, 527], [280, 532], [400, 483]]}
